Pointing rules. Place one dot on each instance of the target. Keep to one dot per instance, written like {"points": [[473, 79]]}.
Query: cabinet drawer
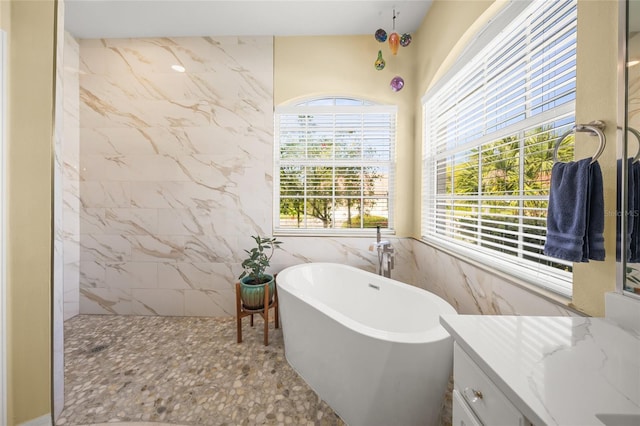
{"points": [[481, 394], [462, 414]]}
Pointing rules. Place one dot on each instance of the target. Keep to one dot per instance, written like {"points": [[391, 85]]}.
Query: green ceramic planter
{"points": [[253, 294]]}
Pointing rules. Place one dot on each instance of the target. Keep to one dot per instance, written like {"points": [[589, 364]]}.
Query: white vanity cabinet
{"points": [[543, 371], [476, 399]]}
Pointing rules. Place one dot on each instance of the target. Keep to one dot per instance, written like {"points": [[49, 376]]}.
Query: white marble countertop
{"points": [[555, 370]]}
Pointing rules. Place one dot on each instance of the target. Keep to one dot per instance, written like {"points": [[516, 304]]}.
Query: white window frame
{"points": [[549, 278], [316, 106]]}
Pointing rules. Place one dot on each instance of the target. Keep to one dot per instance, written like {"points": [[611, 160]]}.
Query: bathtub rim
{"points": [[435, 334]]}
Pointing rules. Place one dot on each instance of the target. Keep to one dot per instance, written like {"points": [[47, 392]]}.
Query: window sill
{"points": [[364, 233]]}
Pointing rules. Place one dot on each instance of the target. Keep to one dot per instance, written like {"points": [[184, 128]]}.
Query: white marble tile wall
{"points": [[471, 290], [71, 176], [176, 171], [176, 175], [59, 212], [352, 251], [467, 288], [57, 294]]}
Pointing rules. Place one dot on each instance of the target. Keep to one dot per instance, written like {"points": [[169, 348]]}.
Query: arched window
{"points": [[334, 165]]}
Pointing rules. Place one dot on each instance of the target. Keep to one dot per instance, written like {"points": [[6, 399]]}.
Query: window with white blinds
{"points": [[334, 166], [489, 132]]}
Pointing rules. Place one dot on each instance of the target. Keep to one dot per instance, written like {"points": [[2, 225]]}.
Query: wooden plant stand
{"points": [[242, 312]]}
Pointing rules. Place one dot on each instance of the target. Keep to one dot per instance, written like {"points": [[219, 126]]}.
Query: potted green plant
{"points": [[253, 278]]}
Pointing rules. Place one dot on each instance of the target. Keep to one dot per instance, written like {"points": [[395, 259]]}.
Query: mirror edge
{"points": [[621, 263]]}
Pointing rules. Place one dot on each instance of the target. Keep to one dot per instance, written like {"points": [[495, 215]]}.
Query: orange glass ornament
{"points": [[394, 42]]}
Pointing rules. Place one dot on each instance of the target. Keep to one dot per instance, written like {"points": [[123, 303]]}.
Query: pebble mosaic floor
{"points": [[184, 371]]}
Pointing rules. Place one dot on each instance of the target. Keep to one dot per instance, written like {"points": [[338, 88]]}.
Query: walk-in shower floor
{"points": [[183, 370]]}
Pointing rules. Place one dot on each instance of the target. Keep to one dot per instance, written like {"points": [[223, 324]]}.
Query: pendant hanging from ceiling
{"points": [[395, 41]]}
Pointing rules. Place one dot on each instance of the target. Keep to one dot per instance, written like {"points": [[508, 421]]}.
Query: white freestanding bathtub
{"points": [[370, 346]]}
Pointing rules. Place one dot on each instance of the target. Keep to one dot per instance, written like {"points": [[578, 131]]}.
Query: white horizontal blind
{"points": [[489, 134], [334, 165]]}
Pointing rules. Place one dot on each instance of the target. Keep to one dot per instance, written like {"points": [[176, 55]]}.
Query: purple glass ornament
{"points": [[381, 35], [405, 40], [397, 83]]}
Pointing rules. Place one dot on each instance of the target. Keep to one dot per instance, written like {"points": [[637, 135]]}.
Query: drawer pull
{"points": [[475, 394]]}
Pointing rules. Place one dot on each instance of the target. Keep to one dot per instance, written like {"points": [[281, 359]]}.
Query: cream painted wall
{"points": [[30, 105], [596, 99], [5, 12], [344, 66], [4, 25], [5, 22]]}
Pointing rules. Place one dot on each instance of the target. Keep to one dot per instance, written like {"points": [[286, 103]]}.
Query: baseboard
{"points": [[40, 421]]}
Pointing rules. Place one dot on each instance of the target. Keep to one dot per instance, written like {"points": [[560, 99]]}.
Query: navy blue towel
{"points": [[575, 214], [593, 247]]}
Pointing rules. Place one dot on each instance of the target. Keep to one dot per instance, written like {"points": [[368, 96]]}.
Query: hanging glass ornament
{"points": [[394, 42], [380, 63], [405, 40], [397, 83], [381, 35]]}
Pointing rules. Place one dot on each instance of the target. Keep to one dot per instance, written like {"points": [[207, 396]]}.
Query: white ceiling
{"points": [[176, 18]]}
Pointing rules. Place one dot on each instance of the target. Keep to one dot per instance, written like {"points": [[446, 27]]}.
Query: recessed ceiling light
{"points": [[178, 68]]}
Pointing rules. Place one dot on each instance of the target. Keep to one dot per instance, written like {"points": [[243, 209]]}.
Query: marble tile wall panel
{"points": [[58, 245], [70, 175], [105, 301], [175, 171], [176, 175], [471, 290], [353, 251], [65, 190]]}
